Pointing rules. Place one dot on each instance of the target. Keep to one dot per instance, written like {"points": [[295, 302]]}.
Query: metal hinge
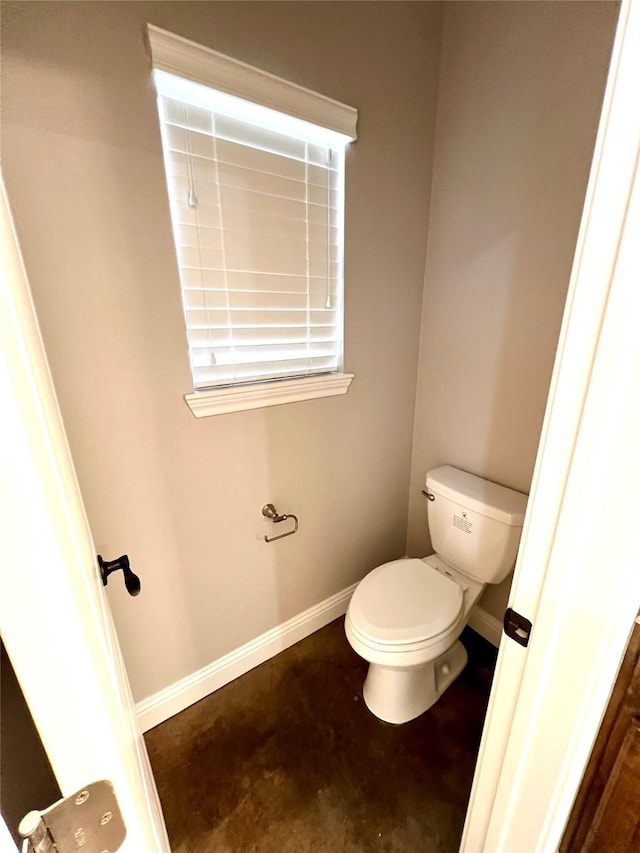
{"points": [[89, 821], [517, 627]]}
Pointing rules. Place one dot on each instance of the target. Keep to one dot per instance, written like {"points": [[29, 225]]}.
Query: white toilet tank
{"points": [[475, 525]]}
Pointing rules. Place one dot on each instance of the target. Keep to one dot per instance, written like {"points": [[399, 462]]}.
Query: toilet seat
{"points": [[388, 650], [404, 602]]}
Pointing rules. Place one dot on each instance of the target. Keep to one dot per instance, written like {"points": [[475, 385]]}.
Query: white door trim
{"points": [[54, 619], [577, 574]]}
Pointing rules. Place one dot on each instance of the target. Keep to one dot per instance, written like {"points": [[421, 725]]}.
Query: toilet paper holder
{"points": [[269, 511]]}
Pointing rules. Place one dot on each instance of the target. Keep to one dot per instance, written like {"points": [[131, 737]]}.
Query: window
{"points": [[255, 176]]}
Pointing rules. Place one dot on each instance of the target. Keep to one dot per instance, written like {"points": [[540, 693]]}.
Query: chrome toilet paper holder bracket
{"points": [[269, 511]]}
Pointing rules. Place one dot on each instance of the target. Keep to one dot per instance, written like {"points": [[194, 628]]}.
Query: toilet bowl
{"points": [[405, 616]]}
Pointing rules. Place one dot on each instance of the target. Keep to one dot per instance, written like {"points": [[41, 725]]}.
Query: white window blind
{"points": [[257, 206]]}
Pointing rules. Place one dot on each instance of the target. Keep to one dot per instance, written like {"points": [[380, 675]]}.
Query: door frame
{"points": [[577, 575], [54, 617]]}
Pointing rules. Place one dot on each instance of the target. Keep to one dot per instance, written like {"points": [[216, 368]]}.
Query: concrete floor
{"points": [[287, 758]]}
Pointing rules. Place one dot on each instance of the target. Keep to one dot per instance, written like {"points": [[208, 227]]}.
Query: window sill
{"points": [[219, 401]]}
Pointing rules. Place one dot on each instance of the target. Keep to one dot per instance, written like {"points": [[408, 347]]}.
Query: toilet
{"points": [[405, 616]]}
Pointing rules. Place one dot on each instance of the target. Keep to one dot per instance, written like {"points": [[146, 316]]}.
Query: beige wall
{"points": [[518, 105], [83, 166]]}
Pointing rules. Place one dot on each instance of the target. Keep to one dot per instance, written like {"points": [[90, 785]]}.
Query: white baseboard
{"points": [[486, 625], [160, 706]]}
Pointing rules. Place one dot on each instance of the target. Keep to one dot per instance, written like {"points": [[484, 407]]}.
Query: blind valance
{"points": [[195, 62]]}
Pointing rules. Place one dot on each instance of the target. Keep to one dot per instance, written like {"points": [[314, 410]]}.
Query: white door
{"points": [[578, 572], [54, 619]]}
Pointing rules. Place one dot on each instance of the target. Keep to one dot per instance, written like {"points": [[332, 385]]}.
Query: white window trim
{"points": [[185, 58], [240, 398], [196, 62]]}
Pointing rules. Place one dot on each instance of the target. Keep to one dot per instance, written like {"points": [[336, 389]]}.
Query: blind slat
{"points": [[208, 377], [258, 353], [198, 143], [242, 171], [290, 293], [229, 337], [259, 317]]}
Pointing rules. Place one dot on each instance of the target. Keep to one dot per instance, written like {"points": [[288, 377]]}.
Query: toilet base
{"points": [[399, 694]]}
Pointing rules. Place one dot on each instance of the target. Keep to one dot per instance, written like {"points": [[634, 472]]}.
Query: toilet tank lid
{"points": [[479, 495]]}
